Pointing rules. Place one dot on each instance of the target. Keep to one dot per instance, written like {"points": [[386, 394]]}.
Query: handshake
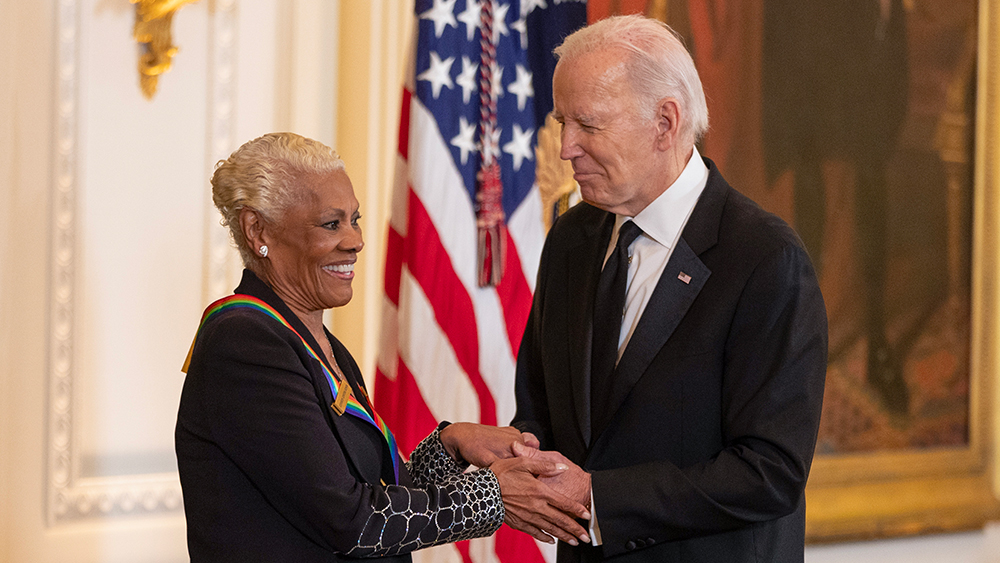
{"points": [[543, 492]]}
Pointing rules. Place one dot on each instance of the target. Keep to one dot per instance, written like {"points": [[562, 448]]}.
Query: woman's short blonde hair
{"points": [[261, 175]]}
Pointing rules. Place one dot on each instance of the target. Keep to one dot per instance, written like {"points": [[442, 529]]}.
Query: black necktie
{"points": [[609, 309]]}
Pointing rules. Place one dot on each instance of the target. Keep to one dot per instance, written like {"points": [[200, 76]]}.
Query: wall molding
{"points": [[71, 497], [219, 253]]}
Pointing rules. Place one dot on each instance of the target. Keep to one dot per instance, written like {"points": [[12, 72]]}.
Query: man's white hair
{"points": [[659, 65]]}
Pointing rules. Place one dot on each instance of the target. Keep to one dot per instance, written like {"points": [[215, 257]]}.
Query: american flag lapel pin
{"points": [[684, 277]]}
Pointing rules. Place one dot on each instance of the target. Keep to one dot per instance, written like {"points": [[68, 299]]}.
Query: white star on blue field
{"points": [[448, 74]]}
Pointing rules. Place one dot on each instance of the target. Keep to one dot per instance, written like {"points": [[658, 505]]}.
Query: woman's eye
{"points": [[332, 225], [355, 220]]}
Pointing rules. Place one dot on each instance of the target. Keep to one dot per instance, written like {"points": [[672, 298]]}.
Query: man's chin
{"points": [[590, 194], [595, 198]]}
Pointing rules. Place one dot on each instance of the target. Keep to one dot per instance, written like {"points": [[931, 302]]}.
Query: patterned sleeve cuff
{"points": [[464, 506], [430, 463], [482, 492]]}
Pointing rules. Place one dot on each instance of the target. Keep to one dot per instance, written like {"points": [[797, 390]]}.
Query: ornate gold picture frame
{"points": [[905, 475], [917, 491]]}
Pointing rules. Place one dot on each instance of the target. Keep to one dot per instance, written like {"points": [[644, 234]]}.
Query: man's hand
{"points": [[482, 445], [533, 507], [530, 440], [574, 483]]}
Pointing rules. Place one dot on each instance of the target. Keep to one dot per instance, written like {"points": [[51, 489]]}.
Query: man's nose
{"points": [[570, 148]]}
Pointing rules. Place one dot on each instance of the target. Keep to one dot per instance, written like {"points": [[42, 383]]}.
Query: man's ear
{"points": [[252, 225], [668, 118]]}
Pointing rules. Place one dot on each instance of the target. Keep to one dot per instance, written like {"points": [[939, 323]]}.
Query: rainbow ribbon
{"points": [[344, 400]]}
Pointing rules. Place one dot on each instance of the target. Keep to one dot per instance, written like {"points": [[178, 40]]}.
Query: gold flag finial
{"points": [[553, 175]]}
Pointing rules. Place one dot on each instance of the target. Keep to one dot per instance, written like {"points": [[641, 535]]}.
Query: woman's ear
{"points": [[252, 225]]}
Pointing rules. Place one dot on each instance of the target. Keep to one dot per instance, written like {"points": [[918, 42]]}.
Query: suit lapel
{"points": [[672, 296], [583, 270], [365, 462], [353, 375], [667, 306], [351, 430]]}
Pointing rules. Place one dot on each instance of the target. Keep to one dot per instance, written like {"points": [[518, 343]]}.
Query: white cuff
{"points": [[595, 530]]}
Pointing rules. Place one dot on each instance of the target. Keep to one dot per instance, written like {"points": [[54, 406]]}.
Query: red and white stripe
{"points": [[448, 346]]}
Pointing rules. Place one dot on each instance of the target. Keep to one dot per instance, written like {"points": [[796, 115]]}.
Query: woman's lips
{"points": [[343, 271]]}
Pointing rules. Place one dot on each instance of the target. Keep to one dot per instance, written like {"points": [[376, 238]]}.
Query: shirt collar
{"points": [[664, 218]]}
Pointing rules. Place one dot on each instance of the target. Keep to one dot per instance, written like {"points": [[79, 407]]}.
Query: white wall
{"points": [[7, 38], [109, 250], [109, 247], [26, 73]]}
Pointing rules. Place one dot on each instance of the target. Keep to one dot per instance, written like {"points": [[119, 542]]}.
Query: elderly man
{"points": [[676, 347]]}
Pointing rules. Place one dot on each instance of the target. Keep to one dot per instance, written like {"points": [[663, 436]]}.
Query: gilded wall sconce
{"points": [[152, 29]]}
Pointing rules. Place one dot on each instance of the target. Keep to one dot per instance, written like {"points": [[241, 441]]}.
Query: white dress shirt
{"points": [[662, 222]]}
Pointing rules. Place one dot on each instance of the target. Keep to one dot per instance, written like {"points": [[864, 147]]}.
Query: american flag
{"points": [[448, 346]]}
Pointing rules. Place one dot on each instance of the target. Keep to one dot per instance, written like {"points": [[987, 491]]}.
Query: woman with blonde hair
{"points": [[281, 455]]}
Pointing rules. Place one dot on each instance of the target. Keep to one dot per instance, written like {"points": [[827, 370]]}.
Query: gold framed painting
{"points": [[942, 485], [873, 126]]}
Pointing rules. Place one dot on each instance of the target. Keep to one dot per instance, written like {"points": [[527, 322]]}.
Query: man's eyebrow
{"points": [[583, 119]]}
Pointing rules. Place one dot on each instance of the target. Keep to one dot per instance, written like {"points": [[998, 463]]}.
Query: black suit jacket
{"points": [[270, 473], [717, 396]]}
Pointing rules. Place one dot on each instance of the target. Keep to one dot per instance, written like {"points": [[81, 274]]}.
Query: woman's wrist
{"points": [[449, 439]]}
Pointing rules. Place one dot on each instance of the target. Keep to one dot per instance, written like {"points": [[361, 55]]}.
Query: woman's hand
{"points": [[483, 445], [535, 508]]}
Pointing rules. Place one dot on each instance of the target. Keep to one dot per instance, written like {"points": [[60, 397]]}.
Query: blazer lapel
{"points": [[353, 375], [583, 274], [682, 280], [365, 462]]}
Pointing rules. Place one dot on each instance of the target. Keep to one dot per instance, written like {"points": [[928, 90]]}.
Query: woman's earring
{"points": [[263, 251]]}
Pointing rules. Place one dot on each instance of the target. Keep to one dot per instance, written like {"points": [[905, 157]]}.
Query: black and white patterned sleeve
{"points": [[445, 505], [430, 463]]}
